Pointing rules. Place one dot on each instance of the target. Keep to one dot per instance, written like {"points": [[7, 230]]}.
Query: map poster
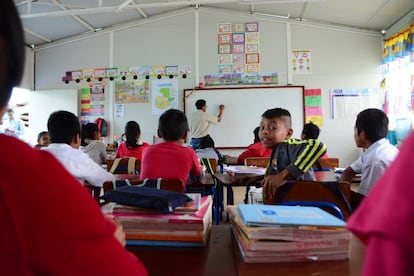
{"points": [[164, 95]]}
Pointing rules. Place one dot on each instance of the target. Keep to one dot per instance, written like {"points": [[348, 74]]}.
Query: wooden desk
{"points": [[217, 258], [222, 257]]}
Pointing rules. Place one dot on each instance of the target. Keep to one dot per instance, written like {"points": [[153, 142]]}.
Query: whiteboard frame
{"points": [[298, 107]]}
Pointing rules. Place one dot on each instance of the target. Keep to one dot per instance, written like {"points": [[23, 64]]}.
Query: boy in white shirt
{"points": [[371, 128], [64, 131]]}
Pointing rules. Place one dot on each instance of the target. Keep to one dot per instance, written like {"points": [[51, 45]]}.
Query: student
{"points": [[64, 130], [132, 146], [50, 224], [200, 122], [291, 158], [254, 150], [371, 128], [170, 159], [43, 140], [311, 131], [91, 145], [384, 220], [207, 150]]}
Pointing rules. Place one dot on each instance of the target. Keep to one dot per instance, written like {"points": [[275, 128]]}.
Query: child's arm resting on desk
{"points": [[309, 152], [347, 175]]}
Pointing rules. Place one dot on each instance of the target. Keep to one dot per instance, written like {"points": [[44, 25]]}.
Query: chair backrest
{"points": [[169, 184], [327, 163], [123, 165], [338, 193], [257, 161], [210, 165]]}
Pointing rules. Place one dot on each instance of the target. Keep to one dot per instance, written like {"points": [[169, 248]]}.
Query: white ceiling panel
{"points": [[48, 21]]}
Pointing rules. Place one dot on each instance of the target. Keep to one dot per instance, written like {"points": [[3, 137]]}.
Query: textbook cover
{"points": [[279, 216], [288, 232]]}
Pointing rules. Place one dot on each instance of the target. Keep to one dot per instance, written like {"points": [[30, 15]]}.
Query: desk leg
{"points": [[230, 197], [217, 203]]}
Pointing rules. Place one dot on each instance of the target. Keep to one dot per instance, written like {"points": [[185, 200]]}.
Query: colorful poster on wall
{"points": [[85, 95], [313, 106], [93, 100], [301, 62], [97, 107], [164, 95], [128, 92], [238, 45]]}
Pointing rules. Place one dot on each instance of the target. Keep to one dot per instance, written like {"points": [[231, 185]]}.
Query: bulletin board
{"points": [[243, 109]]}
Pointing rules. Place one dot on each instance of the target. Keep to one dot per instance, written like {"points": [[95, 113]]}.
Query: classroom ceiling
{"points": [[48, 21]]}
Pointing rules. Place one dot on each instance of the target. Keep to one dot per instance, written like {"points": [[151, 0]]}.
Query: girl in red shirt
{"points": [[131, 146]]}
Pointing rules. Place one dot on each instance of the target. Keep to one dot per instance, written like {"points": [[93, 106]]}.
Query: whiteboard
{"points": [[244, 107], [44, 102]]}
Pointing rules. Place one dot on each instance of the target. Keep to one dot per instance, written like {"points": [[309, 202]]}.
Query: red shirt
{"points": [[125, 151], [50, 225], [254, 150], [169, 160]]}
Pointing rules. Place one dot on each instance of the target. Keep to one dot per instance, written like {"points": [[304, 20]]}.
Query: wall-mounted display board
{"points": [[243, 109]]}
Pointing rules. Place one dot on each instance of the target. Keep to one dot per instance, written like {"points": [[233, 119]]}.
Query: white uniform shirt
{"points": [[79, 164], [200, 123], [372, 164], [96, 150]]}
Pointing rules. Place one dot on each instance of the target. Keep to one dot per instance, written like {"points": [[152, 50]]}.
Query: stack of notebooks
{"points": [[188, 226], [275, 233]]}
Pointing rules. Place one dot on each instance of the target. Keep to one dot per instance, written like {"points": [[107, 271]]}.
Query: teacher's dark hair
{"points": [[12, 48], [200, 104]]}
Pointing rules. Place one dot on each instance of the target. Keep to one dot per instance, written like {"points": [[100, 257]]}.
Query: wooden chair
{"points": [[169, 184], [124, 165], [94, 191], [327, 163], [338, 193], [262, 162]]}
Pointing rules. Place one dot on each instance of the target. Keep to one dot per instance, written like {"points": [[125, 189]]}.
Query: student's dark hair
{"points": [[200, 103], [310, 131], [206, 142], [172, 125], [40, 135], [374, 122], [11, 35], [63, 126], [278, 113], [256, 135], [131, 134], [88, 133]]}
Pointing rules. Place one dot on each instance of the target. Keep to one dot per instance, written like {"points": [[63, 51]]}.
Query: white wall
{"points": [[340, 59]]}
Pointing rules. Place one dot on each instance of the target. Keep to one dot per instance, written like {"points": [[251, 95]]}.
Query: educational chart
{"points": [[93, 100], [347, 103], [313, 106], [164, 95], [128, 92], [238, 48], [301, 62]]}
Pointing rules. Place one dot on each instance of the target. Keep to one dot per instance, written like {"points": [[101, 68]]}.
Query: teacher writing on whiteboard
{"points": [[200, 122]]}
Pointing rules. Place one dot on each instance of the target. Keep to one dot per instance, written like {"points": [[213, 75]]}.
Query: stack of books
{"points": [[275, 233], [188, 226]]}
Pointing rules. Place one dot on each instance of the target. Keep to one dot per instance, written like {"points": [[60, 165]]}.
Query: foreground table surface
{"points": [[221, 257]]}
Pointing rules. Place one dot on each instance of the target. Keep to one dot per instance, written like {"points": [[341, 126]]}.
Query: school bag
{"points": [[145, 197], [102, 126]]}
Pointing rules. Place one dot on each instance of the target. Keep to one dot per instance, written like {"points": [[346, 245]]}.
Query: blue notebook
{"points": [[279, 216]]}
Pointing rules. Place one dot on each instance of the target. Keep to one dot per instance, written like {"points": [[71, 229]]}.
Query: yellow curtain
{"points": [[399, 45]]}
